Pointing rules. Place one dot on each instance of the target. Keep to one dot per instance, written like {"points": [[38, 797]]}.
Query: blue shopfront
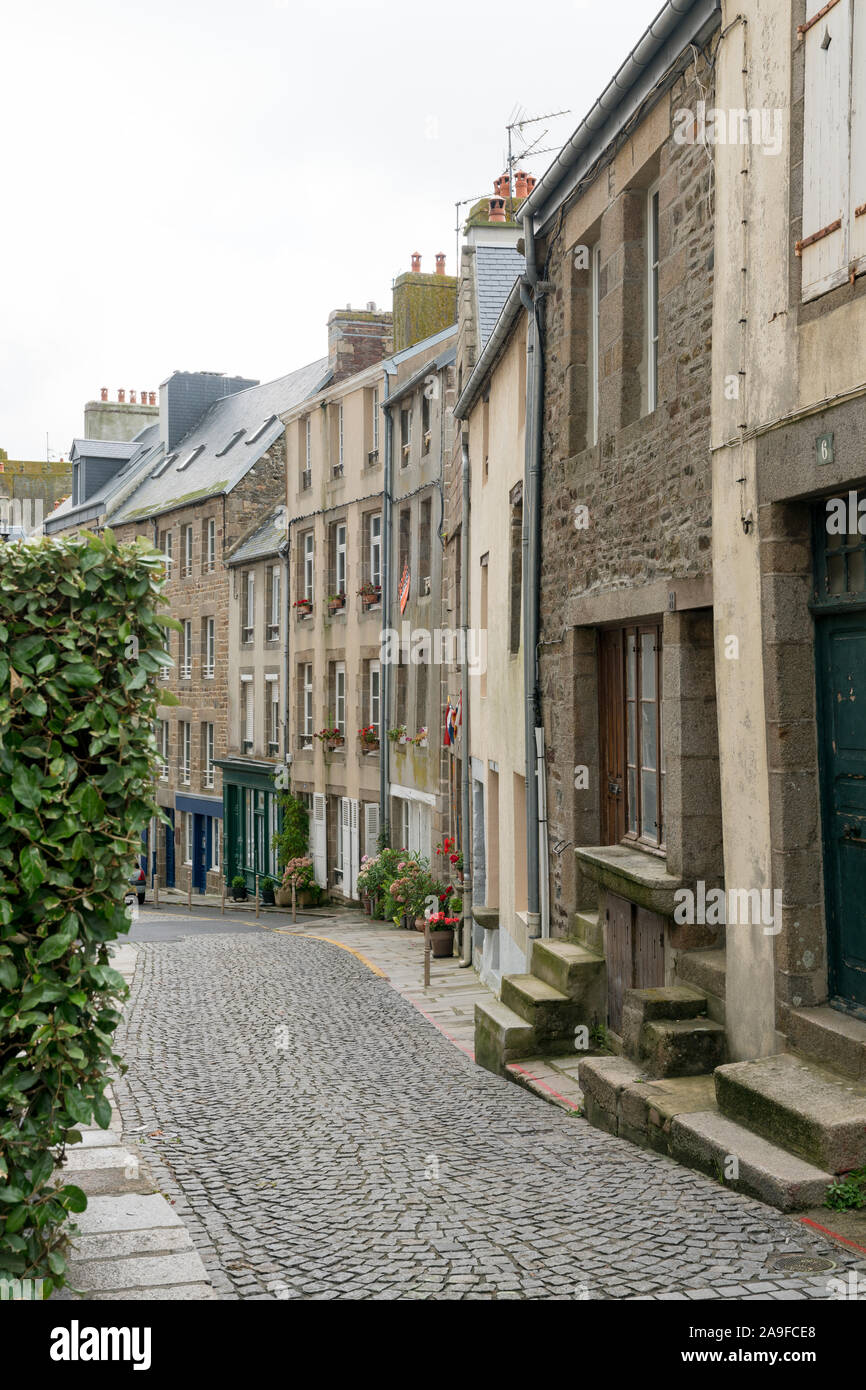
{"points": [[197, 836]]}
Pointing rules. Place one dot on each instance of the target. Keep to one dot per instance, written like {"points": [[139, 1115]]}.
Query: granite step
{"points": [[573, 970], [746, 1162]]}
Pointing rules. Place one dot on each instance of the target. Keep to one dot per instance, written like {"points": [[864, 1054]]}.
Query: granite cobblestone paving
{"points": [[321, 1139]]}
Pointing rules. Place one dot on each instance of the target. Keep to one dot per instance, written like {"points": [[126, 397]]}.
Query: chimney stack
{"points": [[440, 262], [416, 262], [121, 395]]}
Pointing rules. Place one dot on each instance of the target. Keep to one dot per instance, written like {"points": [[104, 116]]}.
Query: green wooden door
{"points": [[841, 655]]}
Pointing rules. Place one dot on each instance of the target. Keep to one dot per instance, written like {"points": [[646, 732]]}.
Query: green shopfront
{"points": [[250, 820]]}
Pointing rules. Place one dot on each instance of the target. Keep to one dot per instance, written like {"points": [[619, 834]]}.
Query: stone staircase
{"points": [[538, 1013], [779, 1128]]}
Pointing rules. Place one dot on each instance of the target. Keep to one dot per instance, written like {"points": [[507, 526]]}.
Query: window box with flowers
{"points": [[370, 595], [332, 738], [336, 603], [368, 737], [303, 607], [398, 737], [419, 739]]}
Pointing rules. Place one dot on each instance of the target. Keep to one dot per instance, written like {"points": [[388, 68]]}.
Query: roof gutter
{"points": [[647, 69]]}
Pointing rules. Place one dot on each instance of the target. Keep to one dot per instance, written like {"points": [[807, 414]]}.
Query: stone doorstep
{"points": [[501, 1036], [813, 1112], [137, 1272], [707, 1140], [830, 1037], [127, 1213], [537, 1076]]}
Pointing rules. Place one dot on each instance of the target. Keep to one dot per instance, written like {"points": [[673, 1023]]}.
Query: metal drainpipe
{"points": [[464, 798], [285, 554], [384, 666], [532, 556]]}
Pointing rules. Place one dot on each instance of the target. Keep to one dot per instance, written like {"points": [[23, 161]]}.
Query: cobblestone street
{"points": [[321, 1139]]}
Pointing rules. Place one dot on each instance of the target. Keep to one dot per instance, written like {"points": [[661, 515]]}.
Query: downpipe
{"points": [[466, 959], [530, 295]]}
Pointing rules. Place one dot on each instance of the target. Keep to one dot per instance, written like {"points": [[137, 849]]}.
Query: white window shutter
{"points": [[346, 841], [354, 864], [319, 841], [371, 828], [826, 148], [857, 196]]}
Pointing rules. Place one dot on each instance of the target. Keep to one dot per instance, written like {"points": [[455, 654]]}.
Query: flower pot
{"points": [[442, 943], [420, 923], [334, 743], [283, 897], [267, 896]]}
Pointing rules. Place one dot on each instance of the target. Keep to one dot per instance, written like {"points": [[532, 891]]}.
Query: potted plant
{"points": [[397, 735], [369, 736], [239, 888], [419, 739], [266, 891], [298, 874], [336, 602], [304, 607], [453, 857], [442, 928], [370, 594]]}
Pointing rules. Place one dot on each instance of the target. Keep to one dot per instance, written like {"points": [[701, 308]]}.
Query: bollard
{"points": [[223, 900], [257, 895], [189, 892], [426, 952], [156, 890], [294, 903]]}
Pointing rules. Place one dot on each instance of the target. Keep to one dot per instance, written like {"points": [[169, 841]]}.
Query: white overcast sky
{"points": [[195, 184]]}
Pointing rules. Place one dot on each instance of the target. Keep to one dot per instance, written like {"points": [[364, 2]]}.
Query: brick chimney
{"points": [[423, 304], [357, 338], [416, 262]]}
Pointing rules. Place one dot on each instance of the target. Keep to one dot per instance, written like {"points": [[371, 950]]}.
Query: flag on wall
{"points": [[453, 720], [404, 587]]}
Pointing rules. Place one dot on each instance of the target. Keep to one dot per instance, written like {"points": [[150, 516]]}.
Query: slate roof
{"points": [[102, 449], [496, 269], [251, 418], [264, 542]]}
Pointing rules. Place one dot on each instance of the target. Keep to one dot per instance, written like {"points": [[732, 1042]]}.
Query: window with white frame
{"points": [[249, 590], [594, 342], [374, 696], [207, 748], [273, 691], [167, 550], [376, 550], [247, 710], [652, 242], [187, 551], [309, 565], [340, 438], [340, 697], [307, 715], [832, 247], [375, 419], [185, 741], [186, 663], [210, 551], [307, 471], [273, 625], [340, 573], [187, 837], [163, 749]]}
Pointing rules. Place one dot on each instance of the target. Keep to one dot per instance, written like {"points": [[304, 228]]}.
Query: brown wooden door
{"points": [[612, 737], [619, 956]]}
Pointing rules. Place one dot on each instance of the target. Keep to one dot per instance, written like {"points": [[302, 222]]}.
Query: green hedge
{"points": [[81, 641]]}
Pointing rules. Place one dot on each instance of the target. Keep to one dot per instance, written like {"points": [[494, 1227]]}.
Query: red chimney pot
{"points": [[121, 394], [497, 210], [132, 400], [416, 261], [152, 397], [103, 393], [520, 183], [440, 262]]}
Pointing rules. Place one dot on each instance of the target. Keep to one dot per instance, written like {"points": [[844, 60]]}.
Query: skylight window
{"points": [[199, 449], [261, 429], [161, 467], [232, 442]]}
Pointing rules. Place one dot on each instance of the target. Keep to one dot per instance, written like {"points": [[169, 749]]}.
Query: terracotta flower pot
{"points": [[420, 923], [442, 943]]}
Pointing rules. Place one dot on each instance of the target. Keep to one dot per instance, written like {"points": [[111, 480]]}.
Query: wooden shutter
{"points": [[371, 828], [354, 865], [319, 841], [857, 197], [825, 149]]}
